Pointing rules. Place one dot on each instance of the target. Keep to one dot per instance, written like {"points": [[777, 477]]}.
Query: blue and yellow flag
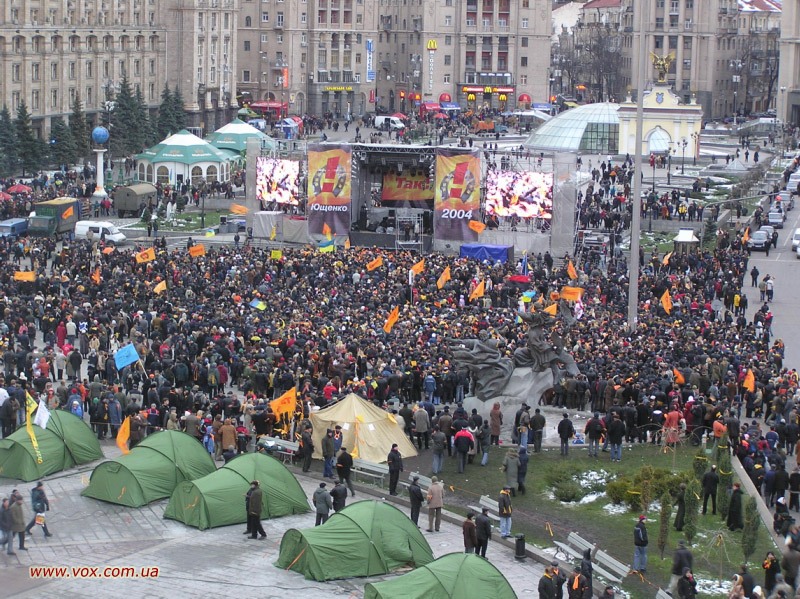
{"points": [[326, 247]]}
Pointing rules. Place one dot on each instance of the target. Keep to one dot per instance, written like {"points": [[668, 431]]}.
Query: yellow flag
{"points": [[326, 231], [274, 233], [25, 275], [146, 256], [285, 403], [478, 291], [162, 286], [666, 301], [68, 213], [418, 267], [123, 434], [476, 226], [376, 263], [445, 276], [571, 294], [197, 250], [552, 309], [749, 382], [276, 254], [390, 322], [30, 407], [239, 209], [573, 274]]}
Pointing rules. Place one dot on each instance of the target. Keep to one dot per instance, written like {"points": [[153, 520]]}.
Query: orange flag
{"points": [[146, 256], [478, 291], [571, 294], [418, 267], [197, 250], [573, 274], [25, 275], [96, 276], [162, 286], [746, 235], [376, 263], [123, 434], [679, 378], [445, 276], [108, 250], [390, 322], [285, 404], [749, 382], [552, 309], [326, 231], [347, 243], [476, 226], [68, 212], [665, 261], [666, 301], [239, 209]]}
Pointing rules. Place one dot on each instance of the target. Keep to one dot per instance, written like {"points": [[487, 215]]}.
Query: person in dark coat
{"points": [[323, 504], [710, 482], [470, 534], [395, 462], [586, 571], [254, 506], [577, 585], [687, 586], [772, 569], [339, 496], [344, 468], [483, 530], [680, 501], [417, 497], [559, 579], [735, 519], [547, 585], [308, 448], [40, 504], [682, 558]]}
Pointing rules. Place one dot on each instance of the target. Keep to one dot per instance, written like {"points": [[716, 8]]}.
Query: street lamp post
{"points": [[683, 143], [736, 67], [696, 146]]}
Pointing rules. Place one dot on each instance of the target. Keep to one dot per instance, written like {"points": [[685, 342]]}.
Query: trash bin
{"points": [[519, 545]]}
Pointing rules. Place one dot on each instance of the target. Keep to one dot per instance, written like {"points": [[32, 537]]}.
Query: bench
{"points": [[371, 469], [574, 547], [487, 502], [662, 594], [609, 567], [287, 450]]}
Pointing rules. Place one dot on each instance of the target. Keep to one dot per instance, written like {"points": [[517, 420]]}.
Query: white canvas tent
{"points": [[368, 431]]}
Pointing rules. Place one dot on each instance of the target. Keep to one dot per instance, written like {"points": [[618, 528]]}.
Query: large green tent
{"points": [[151, 470], [366, 538], [218, 499], [452, 576], [66, 442]]}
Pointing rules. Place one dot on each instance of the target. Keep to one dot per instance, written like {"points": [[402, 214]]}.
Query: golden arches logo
{"points": [[432, 45]]}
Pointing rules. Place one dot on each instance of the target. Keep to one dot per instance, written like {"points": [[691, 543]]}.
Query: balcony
{"points": [[723, 10], [278, 25]]}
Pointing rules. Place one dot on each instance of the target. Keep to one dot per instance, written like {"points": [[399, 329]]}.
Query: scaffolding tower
{"points": [[408, 230]]}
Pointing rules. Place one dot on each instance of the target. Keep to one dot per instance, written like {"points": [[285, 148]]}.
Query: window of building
{"points": [[151, 91], [659, 22], [659, 3], [359, 19], [358, 58], [227, 21], [524, 24], [35, 99], [448, 60], [446, 78], [448, 20], [448, 40], [248, 22], [54, 71], [689, 3], [264, 38], [246, 76], [525, 3], [673, 42], [265, 17], [523, 80], [279, 38], [15, 72], [137, 68], [213, 74], [151, 67], [71, 70], [53, 98], [303, 17], [523, 61], [687, 63], [89, 68], [524, 42], [687, 43], [659, 42], [247, 45], [122, 70], [15, 98], [279, 19]]}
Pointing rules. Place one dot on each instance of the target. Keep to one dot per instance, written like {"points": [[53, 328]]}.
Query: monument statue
{"points": [[661, 64], [492, 372]]}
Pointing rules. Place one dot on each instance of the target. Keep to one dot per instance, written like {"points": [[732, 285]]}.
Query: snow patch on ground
{"points": [[616, 509], [591, 497], [593, 477], [712, 588]]}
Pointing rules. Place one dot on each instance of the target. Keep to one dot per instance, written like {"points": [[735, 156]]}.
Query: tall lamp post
{"points": [[736, 67], [696, 146], [682, 143]]}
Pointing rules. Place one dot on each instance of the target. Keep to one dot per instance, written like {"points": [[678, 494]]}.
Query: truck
{"points": [[131, 200], [54, 218], [488, 128]]}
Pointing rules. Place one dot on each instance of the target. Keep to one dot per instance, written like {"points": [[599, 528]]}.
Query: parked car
{"points": [[776, 219], [759, 241], [795, 239]]}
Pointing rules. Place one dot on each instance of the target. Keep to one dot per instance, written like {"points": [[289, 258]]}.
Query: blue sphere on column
{"points": [[100, 135]]}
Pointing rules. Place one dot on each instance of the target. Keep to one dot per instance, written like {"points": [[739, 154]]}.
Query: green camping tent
{"points": [[366, 538], [151, 470], [66, 442], [454, 575], [218, 499]]}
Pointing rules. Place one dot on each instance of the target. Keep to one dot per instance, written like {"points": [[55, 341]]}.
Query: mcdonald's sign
{"points": [[432, 45]]}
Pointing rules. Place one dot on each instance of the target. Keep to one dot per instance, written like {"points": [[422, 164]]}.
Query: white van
{"points": [[101, 229], [395, 124], [791, 185], [796, 239]]}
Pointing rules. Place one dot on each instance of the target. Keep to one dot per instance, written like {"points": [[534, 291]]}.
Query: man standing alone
{"points": [[640, 546], [435, 504], [504, 505], [483, 529], [710, 482], [415, 493], [344, 467], [308, 448], [538, 423], [395, 462], [328, 453], [254, 506], [566, 430]]}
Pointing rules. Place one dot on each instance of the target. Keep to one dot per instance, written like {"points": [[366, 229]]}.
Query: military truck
{"points": [[54, 218]]}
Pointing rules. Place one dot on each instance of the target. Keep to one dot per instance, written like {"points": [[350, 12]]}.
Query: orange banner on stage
{"points": [[406, 188], [329, 188], [457, 193]]}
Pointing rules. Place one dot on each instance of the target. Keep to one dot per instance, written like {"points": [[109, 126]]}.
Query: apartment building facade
{"points": [[348, 56]]}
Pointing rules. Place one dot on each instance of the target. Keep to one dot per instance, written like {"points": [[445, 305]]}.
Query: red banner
{"points": [[457, 194], [329, 188], [406, 190]]}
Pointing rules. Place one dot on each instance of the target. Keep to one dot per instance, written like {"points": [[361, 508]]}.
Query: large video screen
{"points": [[277, 180], [525, 194]]}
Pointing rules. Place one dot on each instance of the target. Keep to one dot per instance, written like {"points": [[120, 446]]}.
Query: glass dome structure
{"points": [[591, 128]]}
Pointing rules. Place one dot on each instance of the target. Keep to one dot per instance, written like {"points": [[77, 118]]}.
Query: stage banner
{"points": [[406, 191], [328, 188], [457, 199]]}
